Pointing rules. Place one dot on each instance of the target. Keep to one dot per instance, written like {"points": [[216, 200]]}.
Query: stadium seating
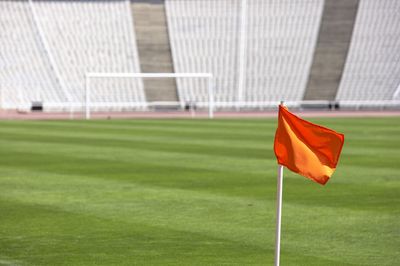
{"points": [[47, 46], [204, 38], [93, 36], [280, 46], [26, 74], [281, 36], [372, 70], [83, 36]]}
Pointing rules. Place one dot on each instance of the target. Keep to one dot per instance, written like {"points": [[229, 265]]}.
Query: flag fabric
{"points": [[305, 148]]}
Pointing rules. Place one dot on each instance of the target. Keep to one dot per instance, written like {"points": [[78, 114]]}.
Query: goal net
{"points": [[119, 92]]}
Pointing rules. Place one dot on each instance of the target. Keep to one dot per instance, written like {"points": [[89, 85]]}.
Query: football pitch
{"points": [[192, 192]]}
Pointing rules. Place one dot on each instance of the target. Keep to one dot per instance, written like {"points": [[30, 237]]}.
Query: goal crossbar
{"points": [[90, 75]]}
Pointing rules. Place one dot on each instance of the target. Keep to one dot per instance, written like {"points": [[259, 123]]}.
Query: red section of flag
{"points": [[306, 148]]}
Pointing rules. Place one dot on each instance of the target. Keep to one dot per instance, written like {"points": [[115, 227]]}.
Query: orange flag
{"points": [[306, 148]]}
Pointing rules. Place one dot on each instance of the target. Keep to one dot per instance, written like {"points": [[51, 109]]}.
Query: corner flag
{"points": [[307, 149]]}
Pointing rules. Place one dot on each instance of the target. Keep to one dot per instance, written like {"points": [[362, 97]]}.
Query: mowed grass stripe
{"points": [[175, 132], [179, 205], [170, 127], [149, 136], [155, 126]]}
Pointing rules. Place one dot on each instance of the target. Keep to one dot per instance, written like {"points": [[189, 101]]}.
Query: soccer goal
{"points": [[126, 91]]}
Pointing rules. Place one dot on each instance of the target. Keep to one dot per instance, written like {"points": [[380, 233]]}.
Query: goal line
{"points": [[91, 75]]}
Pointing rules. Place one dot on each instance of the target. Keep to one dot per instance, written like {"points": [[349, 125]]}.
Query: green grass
{"points": [[192, 192]]}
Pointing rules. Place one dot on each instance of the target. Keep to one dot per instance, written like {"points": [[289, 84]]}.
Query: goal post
{"points": [[88, 103]]}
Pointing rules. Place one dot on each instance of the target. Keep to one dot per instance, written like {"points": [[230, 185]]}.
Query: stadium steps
{"points": [[154, 49], [331, 50]]}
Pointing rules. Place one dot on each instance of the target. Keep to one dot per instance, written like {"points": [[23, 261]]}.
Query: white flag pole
{"points": [[278, 215]]}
